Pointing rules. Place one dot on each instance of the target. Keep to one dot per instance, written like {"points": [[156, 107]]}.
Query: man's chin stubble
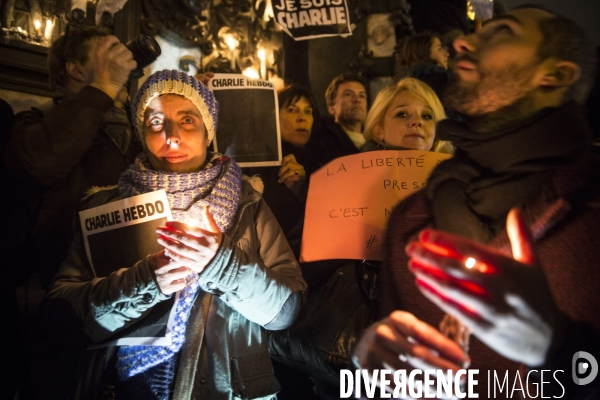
{"points": [[495, 102]]}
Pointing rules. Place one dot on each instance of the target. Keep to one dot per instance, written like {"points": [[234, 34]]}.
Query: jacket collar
{"points": [[572, 188]]}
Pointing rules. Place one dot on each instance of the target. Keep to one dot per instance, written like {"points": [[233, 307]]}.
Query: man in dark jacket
{"points": [[53, 157], [514, 256], [83, 139], [340, 133]]}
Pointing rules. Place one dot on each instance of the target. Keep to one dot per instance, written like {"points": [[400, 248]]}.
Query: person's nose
{"points": [[416, 121], [464, 44], [172, 134], [301, 117]]}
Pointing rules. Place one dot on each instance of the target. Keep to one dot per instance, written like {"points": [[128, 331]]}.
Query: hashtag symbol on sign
{"points": [[371, 240]]}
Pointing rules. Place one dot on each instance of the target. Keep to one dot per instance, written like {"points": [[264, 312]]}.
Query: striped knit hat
{"points": [[176, 82]]}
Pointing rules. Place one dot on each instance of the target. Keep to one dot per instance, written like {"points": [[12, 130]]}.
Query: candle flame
{"points": [[48, 31], [251, 73], [262, 54], [470, 263], [269, 14], [231, 42], [192, 222]]}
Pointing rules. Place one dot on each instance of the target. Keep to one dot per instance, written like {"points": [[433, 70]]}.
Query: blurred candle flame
{"points": [[251, 73], [48, 31], [193, 222]]}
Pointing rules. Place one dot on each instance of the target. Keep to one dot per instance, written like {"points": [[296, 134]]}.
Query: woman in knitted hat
{"points": [[235, 275]]}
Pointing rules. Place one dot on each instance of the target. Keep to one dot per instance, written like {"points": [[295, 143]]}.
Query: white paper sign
{"points": [[119, 234]]}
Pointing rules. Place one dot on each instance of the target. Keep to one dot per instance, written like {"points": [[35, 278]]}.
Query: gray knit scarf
{"points": [[218, 184]]}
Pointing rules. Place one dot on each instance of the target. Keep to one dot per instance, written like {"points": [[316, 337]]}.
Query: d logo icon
{"points": [[582, 367]]}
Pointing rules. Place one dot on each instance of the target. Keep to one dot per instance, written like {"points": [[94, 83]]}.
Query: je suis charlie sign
{"points": [[308, 19]]}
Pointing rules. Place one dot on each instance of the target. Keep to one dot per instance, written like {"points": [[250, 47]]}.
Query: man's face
{"points": [[497, 66], [350, 103]]}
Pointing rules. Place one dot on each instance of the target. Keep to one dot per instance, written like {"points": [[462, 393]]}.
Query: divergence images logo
{"points": [[581, 367]]}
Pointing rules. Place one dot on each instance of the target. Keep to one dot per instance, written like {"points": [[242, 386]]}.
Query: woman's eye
{"points": [[402, 114], [308, 112], [428, 117], [188, 120], [291, 110], [155, 123]]}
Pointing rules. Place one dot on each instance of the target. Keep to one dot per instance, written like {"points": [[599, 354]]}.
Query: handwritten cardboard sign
{"points": [[351, 198], [248, 126], [308, 19]]}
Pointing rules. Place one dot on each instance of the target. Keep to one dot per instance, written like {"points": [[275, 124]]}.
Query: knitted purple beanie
{"points": [[176, 82]]}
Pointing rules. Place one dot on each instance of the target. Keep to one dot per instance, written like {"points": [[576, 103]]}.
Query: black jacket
{"points": [[53, 157], [331, 137]]}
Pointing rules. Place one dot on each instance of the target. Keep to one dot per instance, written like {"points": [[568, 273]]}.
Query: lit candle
{"points": [[251, 73], [232, 44], [262, 54], [48, 31], [193, 222], [37, 24]]}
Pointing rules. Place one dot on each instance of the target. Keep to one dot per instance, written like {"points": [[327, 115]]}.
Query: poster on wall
{"points": [[309, 19], [381, 36], [248, 126]]}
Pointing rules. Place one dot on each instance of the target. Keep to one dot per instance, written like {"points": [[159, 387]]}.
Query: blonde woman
{"points": [[404, 117]]}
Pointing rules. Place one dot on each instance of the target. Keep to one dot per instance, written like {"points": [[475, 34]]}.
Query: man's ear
{"points": [[331, 110], [558, 73], [74, 72]]}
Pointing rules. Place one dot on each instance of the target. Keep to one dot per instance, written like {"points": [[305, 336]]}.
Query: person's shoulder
{"points": [[580, 181], [414, 208], [97, 196], [253, 188], [369, 146], [35, 112], [328, 124]]}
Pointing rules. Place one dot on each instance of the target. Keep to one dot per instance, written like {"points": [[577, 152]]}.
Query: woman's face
{"points": [[408, 123], [175, 134], [296, 121], [438, 53]]}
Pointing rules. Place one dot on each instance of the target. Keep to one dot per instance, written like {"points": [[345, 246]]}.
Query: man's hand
{"points": [[504, 301], [169, 275], [205, 77], [291, 172], [401, 338], [190, 246], [112, 64]]}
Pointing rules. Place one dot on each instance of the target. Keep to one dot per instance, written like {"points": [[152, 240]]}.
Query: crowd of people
{"points": [[490, 267]]}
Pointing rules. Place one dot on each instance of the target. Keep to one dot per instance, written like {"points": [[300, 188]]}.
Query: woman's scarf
{"points": [[490, 173], [218, 185]]}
